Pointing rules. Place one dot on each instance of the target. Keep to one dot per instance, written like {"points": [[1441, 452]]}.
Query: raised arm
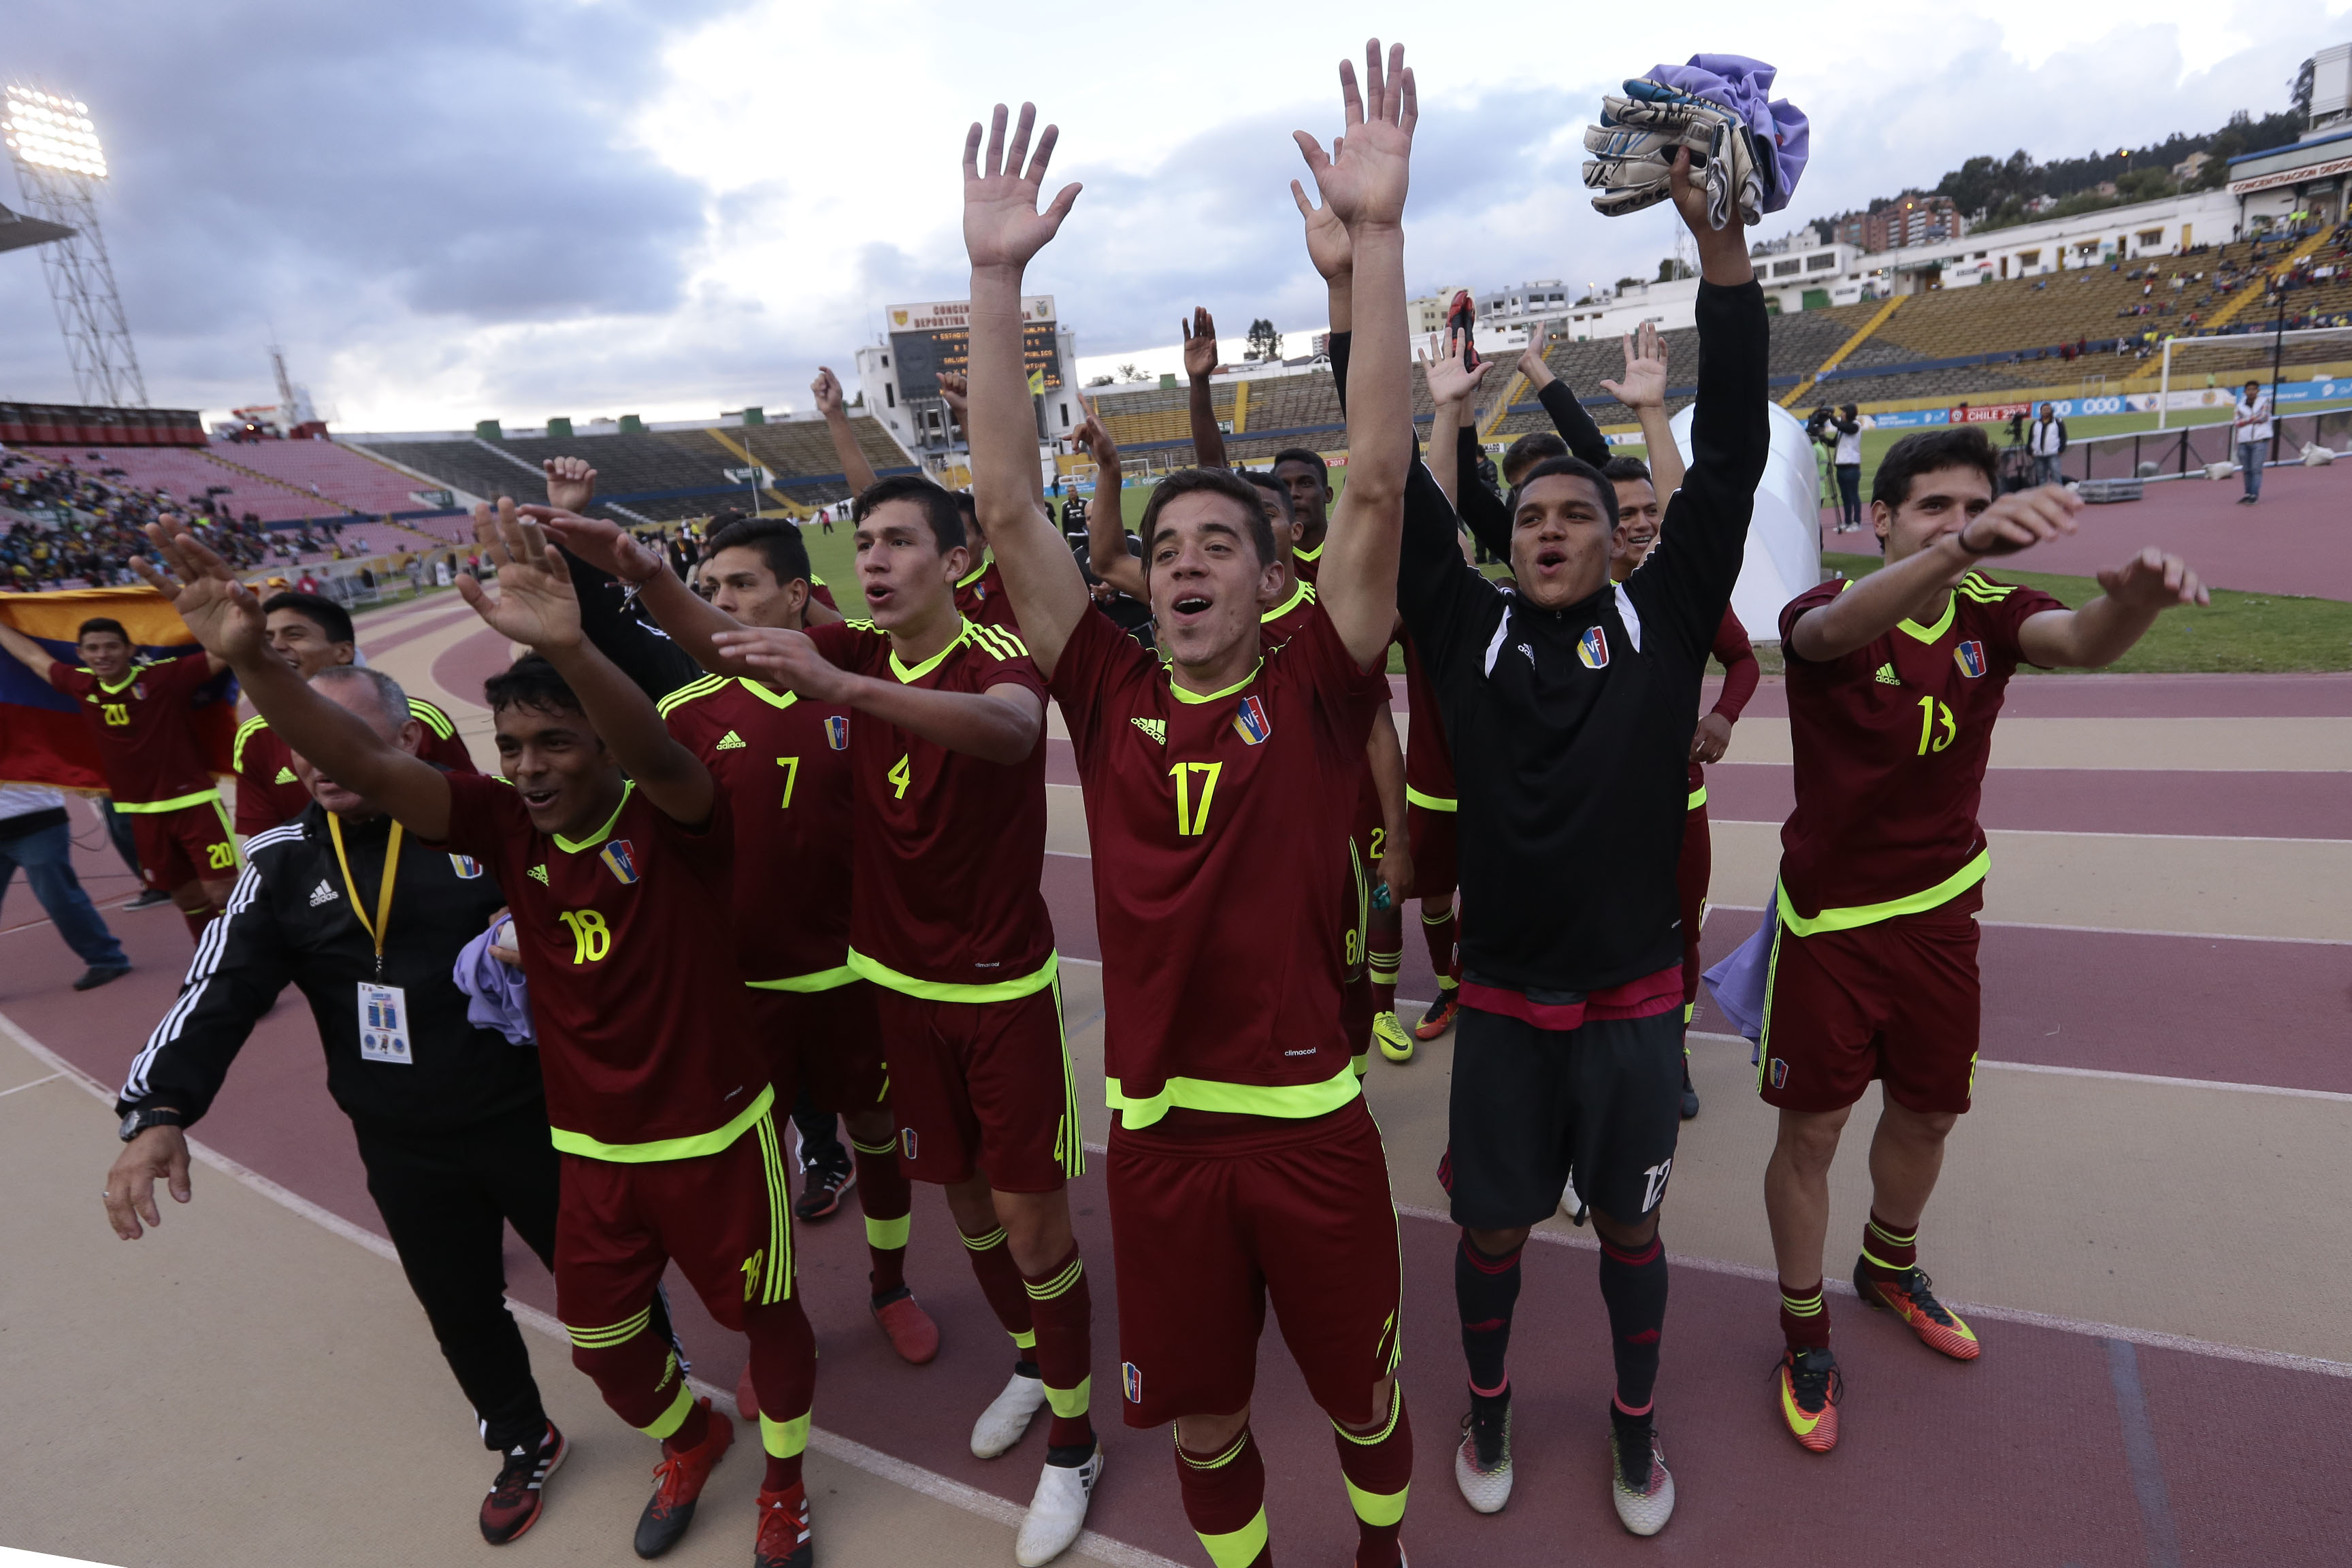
{"points": [[1643, 390], [1107, 556], [1366, 186], [690, 619], [1003, 228], [1451, 388], [1568, 415], [2104, 630], [227, 619], [27, 652], [856, 472], [535, 604], [1001, 724], [1199, 363]]}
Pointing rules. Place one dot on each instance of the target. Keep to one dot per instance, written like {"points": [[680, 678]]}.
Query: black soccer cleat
{"points": [[518, 1493], [825, 1180], [1690, 1095]]}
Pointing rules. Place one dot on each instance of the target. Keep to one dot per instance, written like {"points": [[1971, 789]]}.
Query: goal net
{"points": [[2202, 376]]}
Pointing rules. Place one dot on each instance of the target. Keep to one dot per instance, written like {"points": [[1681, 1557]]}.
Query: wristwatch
{"points": [[148, 1116]]}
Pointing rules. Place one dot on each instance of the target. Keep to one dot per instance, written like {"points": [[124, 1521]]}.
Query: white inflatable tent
{"points": [[1784, 548]]}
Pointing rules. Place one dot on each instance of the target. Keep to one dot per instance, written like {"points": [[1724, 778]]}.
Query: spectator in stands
{"points": [[2046, 439], [2251, 429]]}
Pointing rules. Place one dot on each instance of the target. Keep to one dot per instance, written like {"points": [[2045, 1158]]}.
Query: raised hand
{"points": [[786, 658], [1200, 343], [2020, 521], [1327, 246], [1365, 178], [222, 612], [1448, 381], [570, 483], [1645, 386], [2154, 581], [957, 392], [827, 390], [535, 604], [1097, 440], [1002, 224], [1531, 358], [604, 544]]}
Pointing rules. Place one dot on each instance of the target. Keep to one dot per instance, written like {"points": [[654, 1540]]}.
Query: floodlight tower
{"points": [[59, 167]]}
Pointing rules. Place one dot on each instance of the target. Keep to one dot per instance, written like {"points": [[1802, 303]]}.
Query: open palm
{"points": [[221, 611], [1364, 182], [535, 604], [1002, 224], [1645, 386]]}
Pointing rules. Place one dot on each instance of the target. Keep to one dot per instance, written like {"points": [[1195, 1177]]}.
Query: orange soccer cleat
{"points": [[1907, 1296], [1810, 1388]]}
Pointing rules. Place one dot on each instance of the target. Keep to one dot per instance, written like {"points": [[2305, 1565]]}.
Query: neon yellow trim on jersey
{"points": [[1197, 697], [977, 573], [605, 1338], [691, 1147], [574, 847], [784, 1438], [245, 732], [776, 699], [126, 682], [1697, 798], [701, 685], [177, 803], [1977, 586], [1303, 593], [818, 980], [1292, 1101], [1304, 553], [948, 991], [1943, 892], [1943, 622], [1239, 1548], [908, 676], [1429, 802], [432, 718], [1000, 642]]}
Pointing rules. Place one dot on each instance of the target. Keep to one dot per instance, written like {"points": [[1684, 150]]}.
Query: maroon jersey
{"points": [[983, 601], [950, 848], [1740, 673], [145, 727], [821, 592], [628, 944], [783, 763], [1890, 745], [1428, 759], [1280, 623], [268, 794], [1215, 851], [1305, 564]]}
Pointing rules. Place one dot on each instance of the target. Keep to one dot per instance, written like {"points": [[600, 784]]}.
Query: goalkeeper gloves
{"points": [[1634, 151]]}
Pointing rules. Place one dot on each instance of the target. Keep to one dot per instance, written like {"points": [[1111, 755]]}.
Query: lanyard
{"points": [[383, 896]]}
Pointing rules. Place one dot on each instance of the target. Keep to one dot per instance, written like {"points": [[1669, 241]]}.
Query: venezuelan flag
{"points": [[43, 739]]}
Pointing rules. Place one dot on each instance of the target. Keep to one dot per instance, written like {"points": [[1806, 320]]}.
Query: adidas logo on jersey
{"points": [[539, 874], [730, 741], [322, 894], [1887, 676], [285, 775], [1155, 728]]}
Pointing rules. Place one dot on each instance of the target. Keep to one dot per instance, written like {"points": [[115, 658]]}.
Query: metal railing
{"points": [[2184, 450]]}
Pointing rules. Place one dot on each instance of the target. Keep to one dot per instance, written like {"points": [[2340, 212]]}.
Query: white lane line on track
{"points": [[930, 1483], [2109, 1074]]}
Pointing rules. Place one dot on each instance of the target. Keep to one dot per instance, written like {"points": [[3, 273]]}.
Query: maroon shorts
{"points": [[193, 844], [1431, 834], [1896, 1000], [824, 1046], [724, 1219], [1690, 884], [1207, 1224], [985, 1087]]}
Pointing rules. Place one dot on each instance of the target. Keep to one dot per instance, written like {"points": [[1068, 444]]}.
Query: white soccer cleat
{"points": [[1007, 1416], [1057, 1513], [1483, 1469], [1643, 1510]]}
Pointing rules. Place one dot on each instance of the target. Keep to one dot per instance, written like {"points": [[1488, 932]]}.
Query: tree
{"points": [[1263, 340], [1625, 283], [1672, 267], [1129, 372]]}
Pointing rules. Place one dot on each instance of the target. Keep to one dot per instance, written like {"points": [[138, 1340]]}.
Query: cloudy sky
{"points": [[449, 210]]}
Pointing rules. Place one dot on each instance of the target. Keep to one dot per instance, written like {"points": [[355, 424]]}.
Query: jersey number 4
{"points": [[592, 938], [901, 773], [1937, 727], [1192, 819]]}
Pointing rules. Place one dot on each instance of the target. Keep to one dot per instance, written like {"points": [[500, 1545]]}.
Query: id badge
{"points": [[383, 1025]]}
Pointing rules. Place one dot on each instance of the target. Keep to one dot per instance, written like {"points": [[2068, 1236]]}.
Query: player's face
{"points": [[303, 644], [1637, 527], [358, 699], [905, 576], [1310, 494], [1940, 502], [1559, 540], [1208, 586], [106, 656], [1285, 533], [740, 581], [559, 767]]}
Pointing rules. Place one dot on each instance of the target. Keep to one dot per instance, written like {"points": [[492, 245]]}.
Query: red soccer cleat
{"points": [[906, 1326], [1809, 1386], [517, 1496], [783, 1539], [678, 1482], [1440, 1017], [1907, 1296]]}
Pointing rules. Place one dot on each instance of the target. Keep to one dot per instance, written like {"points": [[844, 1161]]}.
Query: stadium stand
{"points": [[338, 472], [187, 473]]}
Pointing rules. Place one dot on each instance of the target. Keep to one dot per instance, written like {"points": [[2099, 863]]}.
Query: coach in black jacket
{"points": [[1568, 703], [451, 1121]]}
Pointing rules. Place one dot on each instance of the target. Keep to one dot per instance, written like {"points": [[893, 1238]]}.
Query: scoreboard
{"points": [[935, 337]]}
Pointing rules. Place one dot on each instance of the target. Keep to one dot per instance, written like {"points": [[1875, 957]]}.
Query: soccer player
{"points": [[1569, 702], [1243, 1164], [1307, 478], [1895, 681], [313, 633], [615, 850], [785, 763], [143, 720], [947, 757]]}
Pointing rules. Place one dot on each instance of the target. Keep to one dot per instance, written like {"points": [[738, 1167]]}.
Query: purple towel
{"points": [[496, 996], [1738, 981], [1740, 85]]}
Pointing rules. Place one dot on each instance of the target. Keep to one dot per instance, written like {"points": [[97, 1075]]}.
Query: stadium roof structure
{"points": [[17, 231]]}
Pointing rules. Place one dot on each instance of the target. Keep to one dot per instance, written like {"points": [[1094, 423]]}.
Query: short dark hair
{"points": [[1576, 468], [101, 624], [1264, 480], [1301, 455], [316, 608], [1535, 447], [939, 504], [1966, 446], [531, 682], [1626, 470], [1216, 481], [780, 544]]}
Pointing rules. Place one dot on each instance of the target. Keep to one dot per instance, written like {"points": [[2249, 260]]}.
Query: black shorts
{"points": [[1535, 1109]]}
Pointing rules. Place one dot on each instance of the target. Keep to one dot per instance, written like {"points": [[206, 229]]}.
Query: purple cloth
{"points": [[496, 996], [1740, 85], [1738, 981]]}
